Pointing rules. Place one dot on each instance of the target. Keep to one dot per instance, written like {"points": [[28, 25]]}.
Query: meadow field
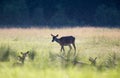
{"points": [[44, 61]]}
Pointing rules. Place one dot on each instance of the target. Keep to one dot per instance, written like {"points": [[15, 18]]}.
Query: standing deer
{"points": [[65, 41]]}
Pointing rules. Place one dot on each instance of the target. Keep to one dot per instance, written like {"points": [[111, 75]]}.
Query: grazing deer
{"points": [[75, 62], [65, 41], [80, 63]]}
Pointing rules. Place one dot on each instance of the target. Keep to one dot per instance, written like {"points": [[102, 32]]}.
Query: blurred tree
{"points": [[67, 12], [38, 16], [107, 15], [14, 12]]}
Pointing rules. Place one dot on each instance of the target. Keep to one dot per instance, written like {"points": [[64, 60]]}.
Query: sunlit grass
{"points": [[102, 43]]}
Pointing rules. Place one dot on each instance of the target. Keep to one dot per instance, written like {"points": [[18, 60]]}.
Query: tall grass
{"points": [[44, 58]]}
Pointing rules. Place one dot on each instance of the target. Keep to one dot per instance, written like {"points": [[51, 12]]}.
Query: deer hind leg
{"points": [[68, 54], [70, 48], [74, 48]]}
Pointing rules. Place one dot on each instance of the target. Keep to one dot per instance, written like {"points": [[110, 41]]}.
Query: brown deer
{"points": [[65, 41], [75, 62], [21, 59], [80, 63]]}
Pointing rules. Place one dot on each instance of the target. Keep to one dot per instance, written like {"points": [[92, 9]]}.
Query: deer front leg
{"points": [[62, 48], [70, 47]]}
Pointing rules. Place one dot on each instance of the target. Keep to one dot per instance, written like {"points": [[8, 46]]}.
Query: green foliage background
{"points": [[59, 13]]}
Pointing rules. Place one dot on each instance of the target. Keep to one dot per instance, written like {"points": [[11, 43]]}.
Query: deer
{"points": [[65, 41], [76, 62], [80, 63], [21, 59]]}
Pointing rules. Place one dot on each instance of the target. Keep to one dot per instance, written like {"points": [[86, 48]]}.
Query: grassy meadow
{"points": [[43, 60]]}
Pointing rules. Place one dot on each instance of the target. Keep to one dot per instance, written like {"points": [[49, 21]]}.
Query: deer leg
{"points": [[74, 48], [62, 48], [70, 48], [68, 54]]}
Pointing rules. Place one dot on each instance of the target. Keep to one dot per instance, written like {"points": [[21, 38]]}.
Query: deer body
{"points": [[65, 41]]}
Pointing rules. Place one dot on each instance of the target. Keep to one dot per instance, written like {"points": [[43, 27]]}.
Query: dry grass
{"points": [[91, 42], [90, 39], [45, 32]]}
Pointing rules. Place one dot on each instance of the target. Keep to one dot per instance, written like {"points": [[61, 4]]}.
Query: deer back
{"points": [[67, 40]]}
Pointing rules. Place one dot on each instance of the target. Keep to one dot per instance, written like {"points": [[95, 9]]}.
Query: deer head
{"points": [[54, 38], [23, 56], [92, 60]]}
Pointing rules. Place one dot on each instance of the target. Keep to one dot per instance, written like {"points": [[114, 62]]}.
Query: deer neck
{"points": [[57, 40]]}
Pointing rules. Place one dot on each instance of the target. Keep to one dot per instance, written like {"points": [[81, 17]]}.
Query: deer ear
{"points": [[52, 35], [21, 52], [95, 58], [57, 35], [27, 52]]}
